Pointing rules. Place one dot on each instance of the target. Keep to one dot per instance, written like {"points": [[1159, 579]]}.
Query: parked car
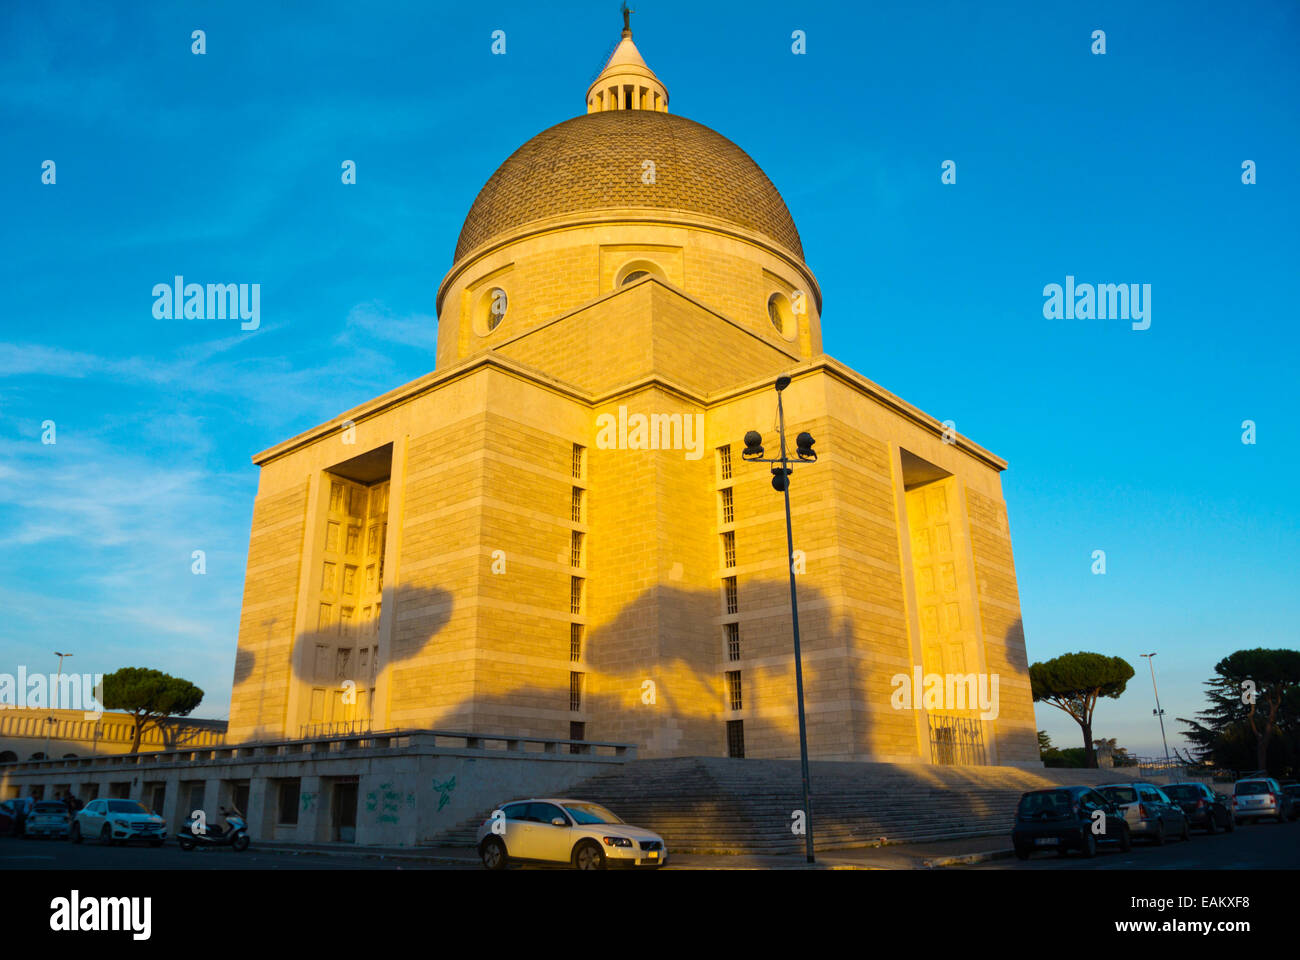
{"points": [[49, 818], [576, 832], [1061, 819], [1292, 790], [1204, 808], [1148, 812], [1258, 797], [118, 821], [13, 814]]}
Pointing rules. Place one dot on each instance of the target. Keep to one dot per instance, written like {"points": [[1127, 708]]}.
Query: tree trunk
{"points": [[139, 729], [1090, 753]]}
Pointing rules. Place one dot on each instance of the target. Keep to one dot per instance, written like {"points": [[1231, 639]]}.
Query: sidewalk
{"points": [[918, 856]]}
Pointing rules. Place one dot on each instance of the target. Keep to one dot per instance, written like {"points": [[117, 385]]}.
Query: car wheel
{"points": [[493, 854], [1159, 839], [1022, 852], [1187, 830], [106, 836], [184, 842], [241, 843], [1281, 817], [75, 836], [1089, 845], [1125, 839], [589, 856]]}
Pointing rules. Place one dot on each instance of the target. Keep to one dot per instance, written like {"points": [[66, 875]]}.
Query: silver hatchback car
{"points": [[1257, 797], [578, 832]]}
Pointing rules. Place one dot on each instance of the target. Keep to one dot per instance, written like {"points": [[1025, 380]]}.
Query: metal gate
{"points": [[956, 741]]}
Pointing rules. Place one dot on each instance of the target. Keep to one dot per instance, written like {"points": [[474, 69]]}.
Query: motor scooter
{"points": [[198, 833]]}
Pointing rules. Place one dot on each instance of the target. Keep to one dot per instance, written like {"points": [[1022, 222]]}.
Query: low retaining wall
{"points": [[397, 788]]}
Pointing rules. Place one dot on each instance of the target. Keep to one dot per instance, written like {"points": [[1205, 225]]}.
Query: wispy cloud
{"points": [[375, 321]]}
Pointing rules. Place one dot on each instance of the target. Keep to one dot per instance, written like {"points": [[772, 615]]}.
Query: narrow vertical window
{"points": [[575, 549], [575, 508], [728, 507], [729, 591], [724, 462], [578, 452], [733, 640], [575, 594], [733, 689], [575, 691], [729, 549], [736, 738], [575, 642]]}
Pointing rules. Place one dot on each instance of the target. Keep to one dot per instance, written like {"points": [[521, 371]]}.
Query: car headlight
{"points": [[617, 841]]}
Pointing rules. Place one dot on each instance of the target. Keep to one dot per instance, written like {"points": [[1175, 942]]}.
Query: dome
{"points": [[594, 162]]}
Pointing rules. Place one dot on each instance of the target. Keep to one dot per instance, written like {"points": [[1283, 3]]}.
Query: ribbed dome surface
{"points": [[594, 162]]}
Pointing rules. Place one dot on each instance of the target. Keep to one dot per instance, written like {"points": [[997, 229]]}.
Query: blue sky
{"points": [[1122, 168]]}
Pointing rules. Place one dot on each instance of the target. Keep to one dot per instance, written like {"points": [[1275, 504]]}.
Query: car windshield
{"points": [[1248, 787], [1120, 794], [1046, 803], [1183, 791], [585, 813], [51, 808], [126, 806]]}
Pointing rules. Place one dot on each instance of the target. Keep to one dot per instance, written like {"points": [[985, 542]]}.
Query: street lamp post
{"points": [[51, 721], [781, 481], [1150, 659]]}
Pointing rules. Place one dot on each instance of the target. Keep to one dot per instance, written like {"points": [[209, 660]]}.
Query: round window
{"points": [[635, 270], [781, 314], [491, 311]]}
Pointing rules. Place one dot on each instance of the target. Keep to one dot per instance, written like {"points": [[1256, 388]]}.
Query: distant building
{"points": [[27, 734]]}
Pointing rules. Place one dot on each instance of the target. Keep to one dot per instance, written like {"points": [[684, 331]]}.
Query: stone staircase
{"points": [[718, 805]]}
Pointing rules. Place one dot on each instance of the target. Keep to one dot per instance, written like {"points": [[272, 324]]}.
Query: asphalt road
{"points": [[19, 854], [1250, 847]]}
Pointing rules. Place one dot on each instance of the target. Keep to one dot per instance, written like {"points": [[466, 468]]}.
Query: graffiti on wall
{"points": [[444, 791], [387, 803]]}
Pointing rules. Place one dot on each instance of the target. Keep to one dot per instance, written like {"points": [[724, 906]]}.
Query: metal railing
{"points": [[310, 731]]}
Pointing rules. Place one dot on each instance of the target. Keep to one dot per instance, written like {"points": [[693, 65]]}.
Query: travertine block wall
{"points": [[553, 273], [259, 700], [870, 585], [1004, 636], [642, 330], [483, 462], [651, 601]]}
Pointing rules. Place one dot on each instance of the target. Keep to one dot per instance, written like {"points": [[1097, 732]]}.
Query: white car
{"points": [[49, 818], [576, 832], [113, 821]]}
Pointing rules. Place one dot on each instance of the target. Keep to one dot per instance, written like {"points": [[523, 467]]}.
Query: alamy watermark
{"points": [[179, 300], [1102, 301], [40, 691], [946, 691], [656, 431]]}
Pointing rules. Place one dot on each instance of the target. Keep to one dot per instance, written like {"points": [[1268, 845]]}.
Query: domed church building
{"points": [[553, 534]]}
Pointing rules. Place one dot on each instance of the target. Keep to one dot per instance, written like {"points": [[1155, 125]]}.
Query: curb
{"points": [[360, 855], [958, 861]]}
